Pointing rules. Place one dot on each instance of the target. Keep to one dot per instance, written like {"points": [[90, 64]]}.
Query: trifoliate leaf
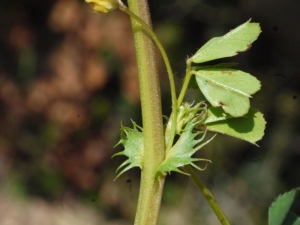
{"points": [[237, 40], [180, 154], [133, 142], [279, 211], [228, 88], [249, 127]]}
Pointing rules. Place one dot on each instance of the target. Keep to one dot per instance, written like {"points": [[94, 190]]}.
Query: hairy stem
{"points": [[151, 186], [169, 71]]}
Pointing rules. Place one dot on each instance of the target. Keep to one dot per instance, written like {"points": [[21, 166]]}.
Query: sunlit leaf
{"points": [[228, 88], [235, 41], [249, 127], [193, 83]]}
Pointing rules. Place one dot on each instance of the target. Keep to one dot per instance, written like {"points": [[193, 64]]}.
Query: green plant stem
{"points": [[151, 186], [184, 88], [168, 67], [207, 194], [186, 81]]}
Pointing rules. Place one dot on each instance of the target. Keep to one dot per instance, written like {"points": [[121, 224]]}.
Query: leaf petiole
{"points": [[186, 81], [207, 194]]}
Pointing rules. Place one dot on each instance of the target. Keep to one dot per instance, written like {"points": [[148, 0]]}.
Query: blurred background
{"points": [[68, 78]]}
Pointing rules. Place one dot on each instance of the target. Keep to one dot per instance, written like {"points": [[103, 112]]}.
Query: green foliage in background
{"points": [[280, 211]]}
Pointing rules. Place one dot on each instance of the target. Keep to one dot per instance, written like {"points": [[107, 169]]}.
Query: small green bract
{"points": [[180, 154], [133, 142]]}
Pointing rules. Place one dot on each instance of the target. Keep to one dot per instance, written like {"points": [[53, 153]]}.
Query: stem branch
{"points": [[208, 196], [186, 81]]}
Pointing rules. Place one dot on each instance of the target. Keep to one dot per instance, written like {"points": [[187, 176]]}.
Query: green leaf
{"points": [[217, 66], [228, 88], [291, 219], [133, 142], [180, 154], [216, 114], [279, 211], [249, 128], [193, 83], [237, 40]]}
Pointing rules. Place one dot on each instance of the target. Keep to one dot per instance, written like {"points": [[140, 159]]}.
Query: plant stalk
{"points": [[171, 134], [151, 187], [208, 196], [187, 78]]}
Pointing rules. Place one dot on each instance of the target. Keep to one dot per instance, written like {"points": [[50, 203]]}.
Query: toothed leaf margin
{"points": [[133, 142], [180, 154]]}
